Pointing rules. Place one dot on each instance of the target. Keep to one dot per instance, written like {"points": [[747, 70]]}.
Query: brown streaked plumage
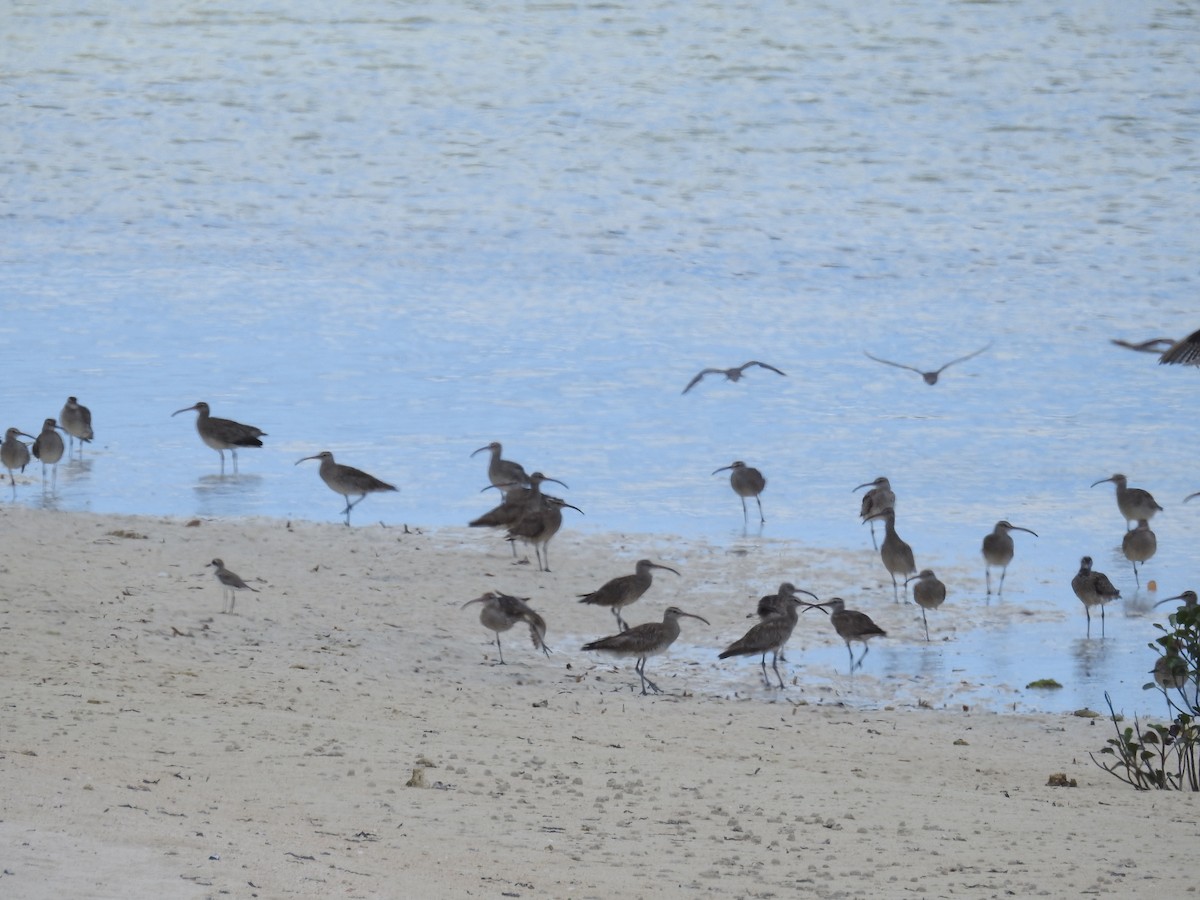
{"points": [[769, 635], [645, 640], [880, 497], [746, 481], [624, 590], [928, 592], [223, 434], [1093, 589], [230, 585], [501, 612], [852, 626], [1134, 503], [896, 554], [347, 481], [998, 550], [1138, 546], [76, 420]]}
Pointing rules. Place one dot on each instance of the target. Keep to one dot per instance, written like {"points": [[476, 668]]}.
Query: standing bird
{"points": [[1170, 670], [230, 585], [772, 632], [779, 602], [930, 377], [76, 421], [501, 612], [645, 640], [347, 481], [929, 593], [730, 374], [504, 474], [1094, 589], [620, 592], [538, 525], [1138, 546], [516, 503], [880, 497], [1188, 598], [223, 434], [897, 555], [852, 625], [14, 454], [49, 448], [998, 550], [1134, 503], [746, 481]]}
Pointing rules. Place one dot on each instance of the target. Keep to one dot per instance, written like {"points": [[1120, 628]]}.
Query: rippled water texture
{"points": [[407, 230]]}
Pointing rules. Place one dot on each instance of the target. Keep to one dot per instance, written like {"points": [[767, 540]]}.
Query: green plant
{"points": [[1164, 757]]}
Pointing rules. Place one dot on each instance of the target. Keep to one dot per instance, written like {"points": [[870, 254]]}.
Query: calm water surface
{"points": [[406, 231]]}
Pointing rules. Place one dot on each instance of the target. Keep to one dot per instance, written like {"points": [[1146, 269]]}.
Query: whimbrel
{"points": [[930, 377], [538, 525], [774, 604], [76, 421], [230, 585], [880, 497], [49, 448], [645, 640], [347, 481], [14, 454], [505, 474], [929, 593], [620, 592], [223, 434], [769, 635], [852, 625], [746, 481], [516, 503], [1094, 589], [1170, 670], [1188, 598], [998, 550], [1138, 546], [897, 555], [1134, 503], [501, 612], [731, 374]]}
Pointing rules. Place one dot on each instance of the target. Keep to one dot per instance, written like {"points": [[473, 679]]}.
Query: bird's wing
{"points": [[1185, 352], [1154, 345], [964, 358], [888, 362], [763, 365], [701, 374]]}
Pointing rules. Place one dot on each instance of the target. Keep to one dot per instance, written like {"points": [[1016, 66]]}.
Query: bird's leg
{"points": [[500, 649], [1000, 590], [1137, 581], [1087, 612], [851, 652], [987, 574], [745, 515], [763, 665], [762, 520], [895, 589], [926, 621], [874, 543], [866, 649], [1102, 621], [775, 666]]}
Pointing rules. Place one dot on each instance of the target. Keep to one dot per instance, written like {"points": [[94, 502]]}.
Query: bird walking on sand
{"points": [[1182, 352], [624, 590], [516, 503], [14, 454], [998, 550], [230, 585], [880, 497], [49, 448], [1134, 503], [347, 481], [930, 377], [746, 481], [769, 635], [1138, 546], [500, 612], [645, 640], [929, 593], [897, 555], [223, 434], [504, 474], [731, 374], [852, 626], [1093, 589], [76, 421], [538, 525]]}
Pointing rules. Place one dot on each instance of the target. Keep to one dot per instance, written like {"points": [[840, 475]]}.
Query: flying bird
{"points": [[731, 374], [930, 377], [1184, 352]]}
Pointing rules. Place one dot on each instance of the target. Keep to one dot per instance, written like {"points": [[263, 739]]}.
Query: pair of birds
{"points": [[226, 434], [48, 445]]}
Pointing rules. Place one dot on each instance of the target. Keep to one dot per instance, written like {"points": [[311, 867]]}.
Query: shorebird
{"points": [[517, 502], [49, 448], [852, 625], [779, 602], [1138, 546], [998, 550], [1134, 503], [929, 593], [769, 635], [1185, 352], [501, 612], [746, 481], [731, 374], [14, 454], [1094, 589], [230, 585], [504, 474], [538, 525], [347, 481], [1170, 670], [1188, 598], [897, 556], [76, 421], [645, 640], [620, 592], [880, 497], [223, 434], [930, 377]]}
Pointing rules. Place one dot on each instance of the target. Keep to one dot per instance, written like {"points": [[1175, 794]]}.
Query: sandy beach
{"points": [[347, 732]]}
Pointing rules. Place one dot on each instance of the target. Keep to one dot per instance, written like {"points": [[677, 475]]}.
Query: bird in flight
{"points": [[1184, 352], [930, 377], [731, 374]]}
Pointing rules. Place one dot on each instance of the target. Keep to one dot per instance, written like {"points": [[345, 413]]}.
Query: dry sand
{"points": [[346, 733]]}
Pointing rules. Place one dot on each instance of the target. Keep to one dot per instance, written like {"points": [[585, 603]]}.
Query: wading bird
{"points": [[998, 550], [746, 481], [1093, 589], [223, 434], [1134, 503], [347, 481], [645, 640]]}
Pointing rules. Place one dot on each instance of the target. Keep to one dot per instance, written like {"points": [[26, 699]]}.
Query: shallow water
{"points": [[404, 234]]}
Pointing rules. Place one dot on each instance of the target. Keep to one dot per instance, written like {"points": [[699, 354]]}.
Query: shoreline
{"points": [[346, 732]]}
